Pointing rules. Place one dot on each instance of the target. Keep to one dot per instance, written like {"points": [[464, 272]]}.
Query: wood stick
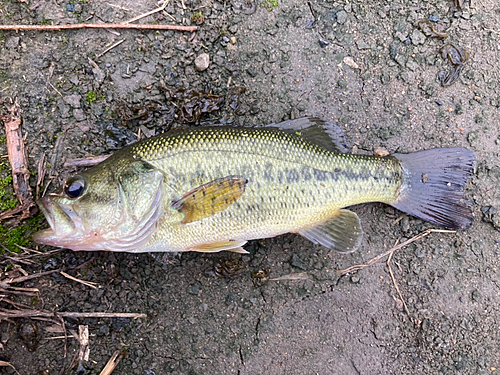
{"points": [[18, 158], [358, 267], [47, 314], [112, 363], [97, 26]]}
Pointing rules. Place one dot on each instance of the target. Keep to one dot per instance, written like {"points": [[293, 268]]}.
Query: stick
{"points": [[377, 258], [112, 363], [396, 284], [47, 314], [29, 277], [88, 283], [110, 48], [97, 26], [165, 3], [7, 364], [85, 162], [18, 158]]}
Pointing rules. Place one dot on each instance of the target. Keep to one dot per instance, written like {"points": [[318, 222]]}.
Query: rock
{"points": [[342, 17], [79, 114], [232, 40], [73, 100], [348, 60], [12, 42], [417, 37], [202, 61]]}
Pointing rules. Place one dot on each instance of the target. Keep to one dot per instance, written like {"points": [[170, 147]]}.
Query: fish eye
{"points": [[74, 187]]}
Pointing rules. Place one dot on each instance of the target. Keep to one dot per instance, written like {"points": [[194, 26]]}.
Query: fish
{"points": [[211, 189]]}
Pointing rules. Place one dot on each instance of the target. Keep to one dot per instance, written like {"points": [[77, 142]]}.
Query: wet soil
{"points": [[365, 65]]}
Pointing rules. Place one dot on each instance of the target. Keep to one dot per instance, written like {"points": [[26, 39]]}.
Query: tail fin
{"points": [[433, 182]]}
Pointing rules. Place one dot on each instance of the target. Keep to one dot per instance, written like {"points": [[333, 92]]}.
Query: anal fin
{"points": [[215, 247], [342, 233]]}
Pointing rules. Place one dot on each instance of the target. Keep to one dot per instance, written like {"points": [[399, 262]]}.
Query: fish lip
{"points": [[45, 206]]}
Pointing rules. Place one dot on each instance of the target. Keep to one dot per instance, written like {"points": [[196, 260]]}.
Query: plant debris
{"points": [[228, 269], [18, 158], [457, 57], [193, 104], [433, 29]]}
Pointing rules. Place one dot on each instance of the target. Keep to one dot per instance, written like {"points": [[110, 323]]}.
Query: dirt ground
{"points": [[363, 64]]}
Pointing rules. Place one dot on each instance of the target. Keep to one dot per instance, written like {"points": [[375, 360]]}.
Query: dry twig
{"points": [[97, 26], [112, 363], [18, 158], [7, 364], [164, 5], [396, 284], [358, 267], [88, 283], [5, 314]]}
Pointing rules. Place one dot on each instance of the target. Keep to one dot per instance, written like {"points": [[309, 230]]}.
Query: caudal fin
{"points": [[433, 182]]}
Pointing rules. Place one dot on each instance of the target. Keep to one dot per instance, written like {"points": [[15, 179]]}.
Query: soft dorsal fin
{"points": [[322, 133], [209, 199], [342, 233]]}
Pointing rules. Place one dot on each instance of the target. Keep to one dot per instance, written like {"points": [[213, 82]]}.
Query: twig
{"points": [[69, 337], [18, 158], [83, 337], [29, 277], [88, 283], [165, 3], [86, 162], [56, 90], [396, 284], [97, 26], [46, 314], [292, 276], [110, 48], [379, 257], [7, 364], [112, 363]]}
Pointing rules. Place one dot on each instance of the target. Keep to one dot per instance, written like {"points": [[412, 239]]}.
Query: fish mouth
{"points": [[62, 224]]}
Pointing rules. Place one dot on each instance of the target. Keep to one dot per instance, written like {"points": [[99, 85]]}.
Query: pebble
{"points": [[348, 60], [73, 100], [417, 37], [202, 62], [342, 17]]}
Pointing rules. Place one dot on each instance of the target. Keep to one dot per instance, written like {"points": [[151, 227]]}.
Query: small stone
{"points": [[202, 62], [348, 60], [232, 40], [78, 114], [342, 17], [12, 42], [417, 37], [73, 100]]}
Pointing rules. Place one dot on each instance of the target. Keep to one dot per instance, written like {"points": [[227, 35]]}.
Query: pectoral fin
{"points": [[214, 247], [210, 199], [341, 233]]}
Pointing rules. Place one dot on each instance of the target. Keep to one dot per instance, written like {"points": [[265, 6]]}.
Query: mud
{"points": [[363, 64]]}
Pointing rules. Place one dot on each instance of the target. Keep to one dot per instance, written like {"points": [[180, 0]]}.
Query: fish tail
{"points": [[433, 183]]}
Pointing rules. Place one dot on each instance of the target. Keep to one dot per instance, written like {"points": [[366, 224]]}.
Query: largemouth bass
{"points": [[212, 189]]}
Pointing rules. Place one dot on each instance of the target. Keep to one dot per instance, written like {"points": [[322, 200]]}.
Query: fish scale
{"points": [[293, 184]]}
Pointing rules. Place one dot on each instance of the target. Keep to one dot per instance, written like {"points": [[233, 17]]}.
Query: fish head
{"points": [[113, 206]]}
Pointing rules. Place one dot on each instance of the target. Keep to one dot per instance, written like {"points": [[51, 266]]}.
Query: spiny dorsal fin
{"points": [[341, 233], [211, 198], [214, 247], [322, 133]]}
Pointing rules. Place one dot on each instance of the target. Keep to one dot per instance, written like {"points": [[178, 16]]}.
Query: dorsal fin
{"points": [[322, 133]]}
